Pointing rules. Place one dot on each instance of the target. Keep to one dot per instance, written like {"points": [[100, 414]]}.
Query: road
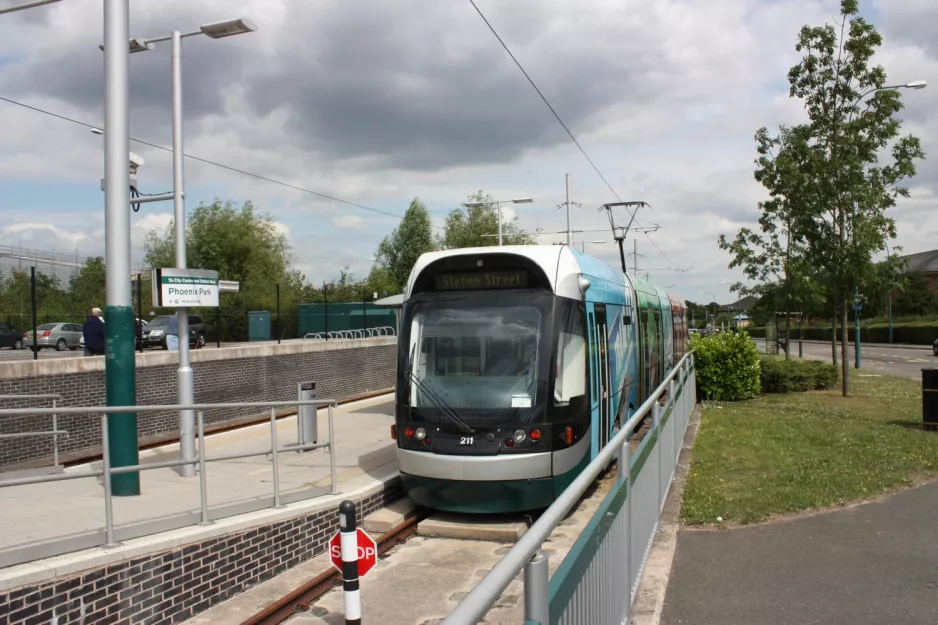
{"points": [[901, 361]]}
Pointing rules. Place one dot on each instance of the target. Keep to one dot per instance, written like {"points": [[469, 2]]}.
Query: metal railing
{"points": [[609, 556], [367, 333], [107, 471], [55, 432]]}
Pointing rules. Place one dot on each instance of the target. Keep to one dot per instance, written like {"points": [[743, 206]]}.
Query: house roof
{"points": [[926, 262], [744, 304]]}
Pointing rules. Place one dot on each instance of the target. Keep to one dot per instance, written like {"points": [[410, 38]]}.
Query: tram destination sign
{"points": [[185, 288], [476, 280]]}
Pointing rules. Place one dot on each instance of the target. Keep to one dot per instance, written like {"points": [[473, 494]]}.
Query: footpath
{"points": [[870, 563]]}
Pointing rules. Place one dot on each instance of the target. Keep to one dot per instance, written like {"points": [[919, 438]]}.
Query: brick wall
{"points": [[171, 586], [262, 373]]}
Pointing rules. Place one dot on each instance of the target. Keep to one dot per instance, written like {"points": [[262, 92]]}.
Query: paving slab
{"points": [[387, 518], [496, 528]]}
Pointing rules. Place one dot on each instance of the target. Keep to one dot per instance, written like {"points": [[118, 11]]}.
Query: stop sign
{"points": [[367, 552]]}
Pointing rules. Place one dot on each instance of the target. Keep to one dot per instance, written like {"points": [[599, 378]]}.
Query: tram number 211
{"points": [[466, 440]]}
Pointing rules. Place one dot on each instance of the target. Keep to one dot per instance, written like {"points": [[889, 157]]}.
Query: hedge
{"points": [[796, 376], [876, 333], [727, 366]]}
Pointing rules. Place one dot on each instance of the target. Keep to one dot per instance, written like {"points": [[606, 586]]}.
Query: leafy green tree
{"points": [[477, 226], [398, 252], [838, 194], [87, 288], [915, 296]]}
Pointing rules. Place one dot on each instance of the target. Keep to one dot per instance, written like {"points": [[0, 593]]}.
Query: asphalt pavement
{"points": [[870, 563], [906, 361]]}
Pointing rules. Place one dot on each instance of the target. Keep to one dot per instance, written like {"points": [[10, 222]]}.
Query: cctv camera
{"points": [[135, 162]]}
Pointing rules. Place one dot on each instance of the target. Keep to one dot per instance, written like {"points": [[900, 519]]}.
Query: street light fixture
{"points": [[25, 5], [186, 393], [498, 204], [915, 84]]}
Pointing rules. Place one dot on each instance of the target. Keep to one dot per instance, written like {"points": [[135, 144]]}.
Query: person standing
{"points": [[172, 333], [93, 331]]}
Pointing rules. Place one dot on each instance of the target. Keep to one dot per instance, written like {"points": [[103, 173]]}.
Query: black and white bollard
{"points": [[348, 530]]}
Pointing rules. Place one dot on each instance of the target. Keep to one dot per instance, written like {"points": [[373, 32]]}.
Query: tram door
{"points": [[600, 365]]}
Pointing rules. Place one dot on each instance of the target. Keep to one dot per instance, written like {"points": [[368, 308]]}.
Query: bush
{"points": [[796, 376], [727, 366]]}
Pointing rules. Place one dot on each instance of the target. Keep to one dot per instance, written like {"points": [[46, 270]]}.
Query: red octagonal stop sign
{"points": [[367, 552]]}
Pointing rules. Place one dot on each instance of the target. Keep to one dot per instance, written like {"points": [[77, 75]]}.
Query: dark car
{"points": [[154, 334], [934, 347], [9, 337]]}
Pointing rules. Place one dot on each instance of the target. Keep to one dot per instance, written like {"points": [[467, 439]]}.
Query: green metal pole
{"points": [[119, 374], [856, 333]]}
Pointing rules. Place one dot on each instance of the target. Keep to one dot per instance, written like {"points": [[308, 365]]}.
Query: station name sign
{"points": [[507, 279], [185, 288]]}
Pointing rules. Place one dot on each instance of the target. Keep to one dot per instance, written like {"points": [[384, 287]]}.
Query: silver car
{"points": [[61, 336]]}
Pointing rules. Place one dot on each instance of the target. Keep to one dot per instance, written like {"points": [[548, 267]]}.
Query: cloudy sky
{"points": [[377, 102]]}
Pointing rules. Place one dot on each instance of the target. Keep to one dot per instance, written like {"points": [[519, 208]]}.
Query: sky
{"points": [[378, 102]]}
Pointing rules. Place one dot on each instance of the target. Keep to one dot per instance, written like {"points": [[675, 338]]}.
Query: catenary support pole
{"points": [[569, 215], [119, 372]]}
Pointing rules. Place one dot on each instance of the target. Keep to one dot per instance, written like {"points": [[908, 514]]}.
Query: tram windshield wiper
{"points": [[434, 397]]}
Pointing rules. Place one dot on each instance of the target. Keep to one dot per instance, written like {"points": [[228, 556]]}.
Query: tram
{"points": [[516, 365]]}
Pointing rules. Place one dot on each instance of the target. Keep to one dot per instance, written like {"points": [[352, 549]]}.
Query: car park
{"points": [[154, 334], [10, 337], [60, 336]]}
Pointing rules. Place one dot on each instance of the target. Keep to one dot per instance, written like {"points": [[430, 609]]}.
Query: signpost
{"points": [[185, 288], [367, 552]]}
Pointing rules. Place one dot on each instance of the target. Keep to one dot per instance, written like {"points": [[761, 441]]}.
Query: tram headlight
{"points": [[420, 434], [519, 435]]}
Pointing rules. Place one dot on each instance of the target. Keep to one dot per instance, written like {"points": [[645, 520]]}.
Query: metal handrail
{"points": [[107, 471], [55, 432], [474, 606]]}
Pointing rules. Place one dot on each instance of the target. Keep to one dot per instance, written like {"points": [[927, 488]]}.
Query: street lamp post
{"points": [[915, 84], [714, 316], [498, 204], [186, 392]]}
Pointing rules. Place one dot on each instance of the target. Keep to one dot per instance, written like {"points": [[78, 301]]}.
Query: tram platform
{"points": [[37, 516]]}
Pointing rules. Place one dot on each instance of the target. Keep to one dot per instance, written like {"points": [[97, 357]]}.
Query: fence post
{"points": [[32, 273], [536, 589], [218, 326], [273, 456], [203, 486], [279, 326], [348, 537], [625, 475], [106, 466], [332, 452], [55, 437], [675, 415]]}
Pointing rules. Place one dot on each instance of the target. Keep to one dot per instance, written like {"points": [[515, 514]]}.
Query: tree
{"points": [[241, 245], [477, 226], [87, 288], [398, 252], [837, 192]]}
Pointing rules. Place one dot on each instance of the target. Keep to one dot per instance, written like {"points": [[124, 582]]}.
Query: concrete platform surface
{"points": [[36, 514], [423, 580], [493, 528]]}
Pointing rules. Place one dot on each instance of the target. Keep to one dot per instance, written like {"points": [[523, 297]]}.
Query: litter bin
{"points": [[307, 428], [930, 399], [259, 325]]}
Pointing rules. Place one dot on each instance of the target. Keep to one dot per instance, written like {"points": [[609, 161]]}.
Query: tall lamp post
{"points": [[498, 204], [186, 393], [915, 84]]}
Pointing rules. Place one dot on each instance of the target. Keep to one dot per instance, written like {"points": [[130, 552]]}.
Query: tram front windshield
{"points": [[475, 355]]}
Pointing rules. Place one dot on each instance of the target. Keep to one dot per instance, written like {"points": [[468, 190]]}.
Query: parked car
{"points": [[154, 334], [10, 337], [934, 347], [61, 336]]}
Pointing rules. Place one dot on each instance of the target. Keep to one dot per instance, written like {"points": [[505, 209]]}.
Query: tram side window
{"points": [[570, 379]]}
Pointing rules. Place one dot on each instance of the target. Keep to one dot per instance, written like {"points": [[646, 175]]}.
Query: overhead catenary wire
{"points": [[561, 122], [208, 162]]}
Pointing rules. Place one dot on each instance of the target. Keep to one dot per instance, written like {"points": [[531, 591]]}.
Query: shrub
{"points": [[796, 376], [727, 366]]}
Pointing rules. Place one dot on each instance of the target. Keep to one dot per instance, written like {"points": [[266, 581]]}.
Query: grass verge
{"points": [[800, 451]]}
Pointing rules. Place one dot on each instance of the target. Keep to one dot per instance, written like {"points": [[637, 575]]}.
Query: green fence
{"points": [[343, 316], [918, 334]]}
